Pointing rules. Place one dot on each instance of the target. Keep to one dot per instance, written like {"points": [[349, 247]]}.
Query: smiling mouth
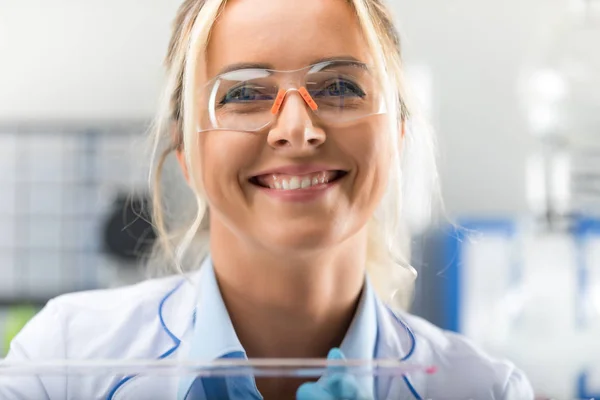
{"points": [[297, 182]]}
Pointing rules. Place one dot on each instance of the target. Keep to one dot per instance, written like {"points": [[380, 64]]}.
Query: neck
{"points": [[288, 306]]}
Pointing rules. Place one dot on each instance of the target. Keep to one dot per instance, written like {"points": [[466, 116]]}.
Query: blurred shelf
{"points": [[59, 182], [22, 301], [134, 126]]}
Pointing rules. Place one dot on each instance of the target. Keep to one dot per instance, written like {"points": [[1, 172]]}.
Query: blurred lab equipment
{"points": [[58, 184], [561, 98], [528, 287], [128, 234], [560, 92], [521, 292]]}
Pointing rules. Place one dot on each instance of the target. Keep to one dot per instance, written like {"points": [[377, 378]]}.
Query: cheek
{"points": [[374, 174], [223, 158], [369, 145]]}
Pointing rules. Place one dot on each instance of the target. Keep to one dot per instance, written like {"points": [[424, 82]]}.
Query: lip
{"points": [[304, 169]]}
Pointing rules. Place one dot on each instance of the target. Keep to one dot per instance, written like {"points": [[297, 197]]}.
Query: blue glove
{"points": [[336, 385]]}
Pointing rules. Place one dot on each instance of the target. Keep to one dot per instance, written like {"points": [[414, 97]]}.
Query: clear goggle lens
{"points": [[250, 99]]}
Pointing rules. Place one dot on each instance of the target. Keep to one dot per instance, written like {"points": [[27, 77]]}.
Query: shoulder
{"points": [[97, 323], [120, 299], [120, 323], [464, 367]]}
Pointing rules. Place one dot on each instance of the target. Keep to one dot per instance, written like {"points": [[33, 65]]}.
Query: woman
{"points": [[288, 121]]}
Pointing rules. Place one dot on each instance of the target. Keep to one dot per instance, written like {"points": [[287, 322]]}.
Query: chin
{"points": [[303, 244], [303, 238]]}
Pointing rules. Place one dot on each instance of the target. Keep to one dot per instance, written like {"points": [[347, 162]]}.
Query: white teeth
{"points": [[280, 182], [294, 183]]}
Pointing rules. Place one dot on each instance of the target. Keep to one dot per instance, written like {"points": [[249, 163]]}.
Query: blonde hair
{"points": [[175, 124]]}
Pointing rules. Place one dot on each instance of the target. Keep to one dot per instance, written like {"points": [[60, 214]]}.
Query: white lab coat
{"points": [[153, 320]]}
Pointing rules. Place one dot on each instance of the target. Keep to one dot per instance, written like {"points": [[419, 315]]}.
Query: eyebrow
{"points": [[246, 65]]}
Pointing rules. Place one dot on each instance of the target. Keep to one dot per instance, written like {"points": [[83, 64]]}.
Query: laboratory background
{"points": [[511, 89]]}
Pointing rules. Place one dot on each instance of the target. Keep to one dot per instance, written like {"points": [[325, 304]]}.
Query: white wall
{"points": [[77, 59], [475, 49], [81, 59]]}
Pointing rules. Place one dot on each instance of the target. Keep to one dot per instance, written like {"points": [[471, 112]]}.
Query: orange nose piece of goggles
{"points": [[303, 92]]}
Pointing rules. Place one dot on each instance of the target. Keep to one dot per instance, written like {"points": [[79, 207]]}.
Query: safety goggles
{"points": [[338, 92]]}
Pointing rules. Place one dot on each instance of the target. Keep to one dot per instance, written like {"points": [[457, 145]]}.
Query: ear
{"points": [[181, 159], [402, 132], [177, 140]]}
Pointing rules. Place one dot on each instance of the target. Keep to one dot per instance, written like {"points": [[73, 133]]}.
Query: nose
{"points": [[294, 129]]}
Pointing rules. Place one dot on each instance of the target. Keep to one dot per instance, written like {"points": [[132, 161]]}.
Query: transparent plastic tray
{"points": [[225, 379], [303, 368]]}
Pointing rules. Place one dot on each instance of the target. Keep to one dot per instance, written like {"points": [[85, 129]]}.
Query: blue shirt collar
{"points": [[361, 337], [214, 336]]}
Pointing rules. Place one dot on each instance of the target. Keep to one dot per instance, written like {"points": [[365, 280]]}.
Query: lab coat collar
{"points": [[397, 341], [177, 309], [174, 314], [394, 340]]}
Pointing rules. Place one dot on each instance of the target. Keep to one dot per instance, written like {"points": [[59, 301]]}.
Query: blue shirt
{"points": [[214, 338]]}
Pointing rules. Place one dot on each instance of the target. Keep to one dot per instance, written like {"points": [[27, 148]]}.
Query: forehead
{"points": [[285, 34]]}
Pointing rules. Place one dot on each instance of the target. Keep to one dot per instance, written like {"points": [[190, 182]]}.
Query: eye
{"points": [[245, 94], [339, 88]]}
